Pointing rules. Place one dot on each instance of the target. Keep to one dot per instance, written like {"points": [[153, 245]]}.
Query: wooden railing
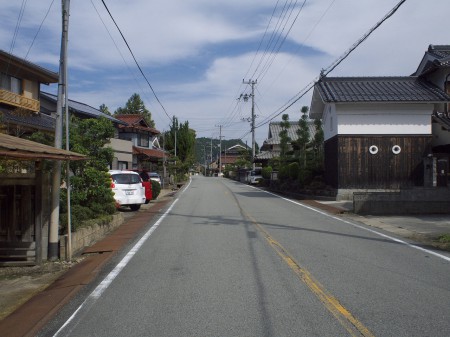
{"points": [[19, 101]]}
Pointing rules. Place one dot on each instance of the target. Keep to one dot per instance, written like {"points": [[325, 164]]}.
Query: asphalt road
{"points": [[231, 260]]}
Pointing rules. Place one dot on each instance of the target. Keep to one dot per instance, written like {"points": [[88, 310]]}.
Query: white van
{"points": [[127, 188], [254, 176]]}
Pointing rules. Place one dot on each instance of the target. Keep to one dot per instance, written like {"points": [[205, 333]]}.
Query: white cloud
{"points": [[196, 52]]}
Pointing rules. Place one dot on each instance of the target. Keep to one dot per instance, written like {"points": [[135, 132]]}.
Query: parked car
{"points": [[155, 176], [146, 183], [254, 176], [128, 189]]}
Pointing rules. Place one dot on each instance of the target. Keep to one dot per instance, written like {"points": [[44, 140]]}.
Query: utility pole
{"points": [[56, 179], [220, 150], [210, 157], [252, 83], [204, 157]]}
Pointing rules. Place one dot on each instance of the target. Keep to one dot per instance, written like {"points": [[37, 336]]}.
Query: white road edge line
{"points": [[98, 291], [446, 258]]}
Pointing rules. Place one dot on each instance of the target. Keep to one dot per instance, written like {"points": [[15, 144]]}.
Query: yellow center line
{"points": [[345, 318]]}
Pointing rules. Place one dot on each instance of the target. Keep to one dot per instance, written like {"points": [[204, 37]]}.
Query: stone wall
{"points": [[85, 237]]}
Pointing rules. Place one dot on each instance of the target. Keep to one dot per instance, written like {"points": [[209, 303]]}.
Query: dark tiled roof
{"points": [[441, 53], [379, 89], [437, 56], [81, 108]]}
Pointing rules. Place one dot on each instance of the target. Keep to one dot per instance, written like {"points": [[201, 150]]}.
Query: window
{"points": [[143, 141], [11, 83], [16, 86], [124, 178], [122, 165]]}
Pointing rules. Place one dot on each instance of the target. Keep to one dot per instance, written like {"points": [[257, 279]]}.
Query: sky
{"points": [[197, 54]]}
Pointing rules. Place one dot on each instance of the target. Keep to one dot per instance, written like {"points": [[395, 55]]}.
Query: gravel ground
{"points": [[19, 284]]}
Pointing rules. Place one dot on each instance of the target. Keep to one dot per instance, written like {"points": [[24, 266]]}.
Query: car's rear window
{"points": [[126, 178]]}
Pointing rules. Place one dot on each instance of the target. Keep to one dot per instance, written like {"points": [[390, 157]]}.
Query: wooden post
{"points": [[38, 210]]}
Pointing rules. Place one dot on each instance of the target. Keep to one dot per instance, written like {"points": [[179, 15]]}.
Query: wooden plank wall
{"points": [[352, 166]]}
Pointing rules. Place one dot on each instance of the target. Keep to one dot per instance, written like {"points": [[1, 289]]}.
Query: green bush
{"points": [[78, 215], [77, 222], [283, 173], [156, 189], [317, 183], [294, 169], [266, 172], [445, 238]]}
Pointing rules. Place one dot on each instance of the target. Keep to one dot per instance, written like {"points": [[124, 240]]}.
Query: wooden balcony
{"points": [[7, 97]]}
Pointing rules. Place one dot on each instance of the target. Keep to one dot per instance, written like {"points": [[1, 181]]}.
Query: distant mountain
{"points": [[203, 148]]}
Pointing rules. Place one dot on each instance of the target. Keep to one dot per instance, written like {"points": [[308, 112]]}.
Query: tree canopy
{"points": [[90, 182], [135, 105], [180, 142]]}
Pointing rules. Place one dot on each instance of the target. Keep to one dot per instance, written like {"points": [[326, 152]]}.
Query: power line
{"points": [[117, 48], [262, 39], [331, 67], [16, 32], [273, 44], [269, 64], [39, 29], [270, 44], [134, 58], [303, 43]]}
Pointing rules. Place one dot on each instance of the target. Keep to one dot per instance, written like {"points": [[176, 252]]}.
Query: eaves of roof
{"points": [[25, 69], [266, 155], [442, 120], [151, 153], [18, 148], [36, 121], [440, 52]]}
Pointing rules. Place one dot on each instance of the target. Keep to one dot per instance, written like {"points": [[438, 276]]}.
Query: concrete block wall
{"points": [[410, 201]]}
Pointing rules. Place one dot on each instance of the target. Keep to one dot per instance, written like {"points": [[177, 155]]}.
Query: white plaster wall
{"points": [[377, 119], [329, 121]]}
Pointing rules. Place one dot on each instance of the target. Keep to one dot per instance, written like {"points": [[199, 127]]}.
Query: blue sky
{"points": [[195, 53]]}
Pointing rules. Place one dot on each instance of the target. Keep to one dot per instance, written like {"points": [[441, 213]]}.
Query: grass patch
{"points": [[444, 238]]}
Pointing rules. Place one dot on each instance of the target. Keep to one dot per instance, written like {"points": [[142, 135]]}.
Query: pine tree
{"points": [[303, 137], [135, 105], [284, 138], [103, 108]]}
